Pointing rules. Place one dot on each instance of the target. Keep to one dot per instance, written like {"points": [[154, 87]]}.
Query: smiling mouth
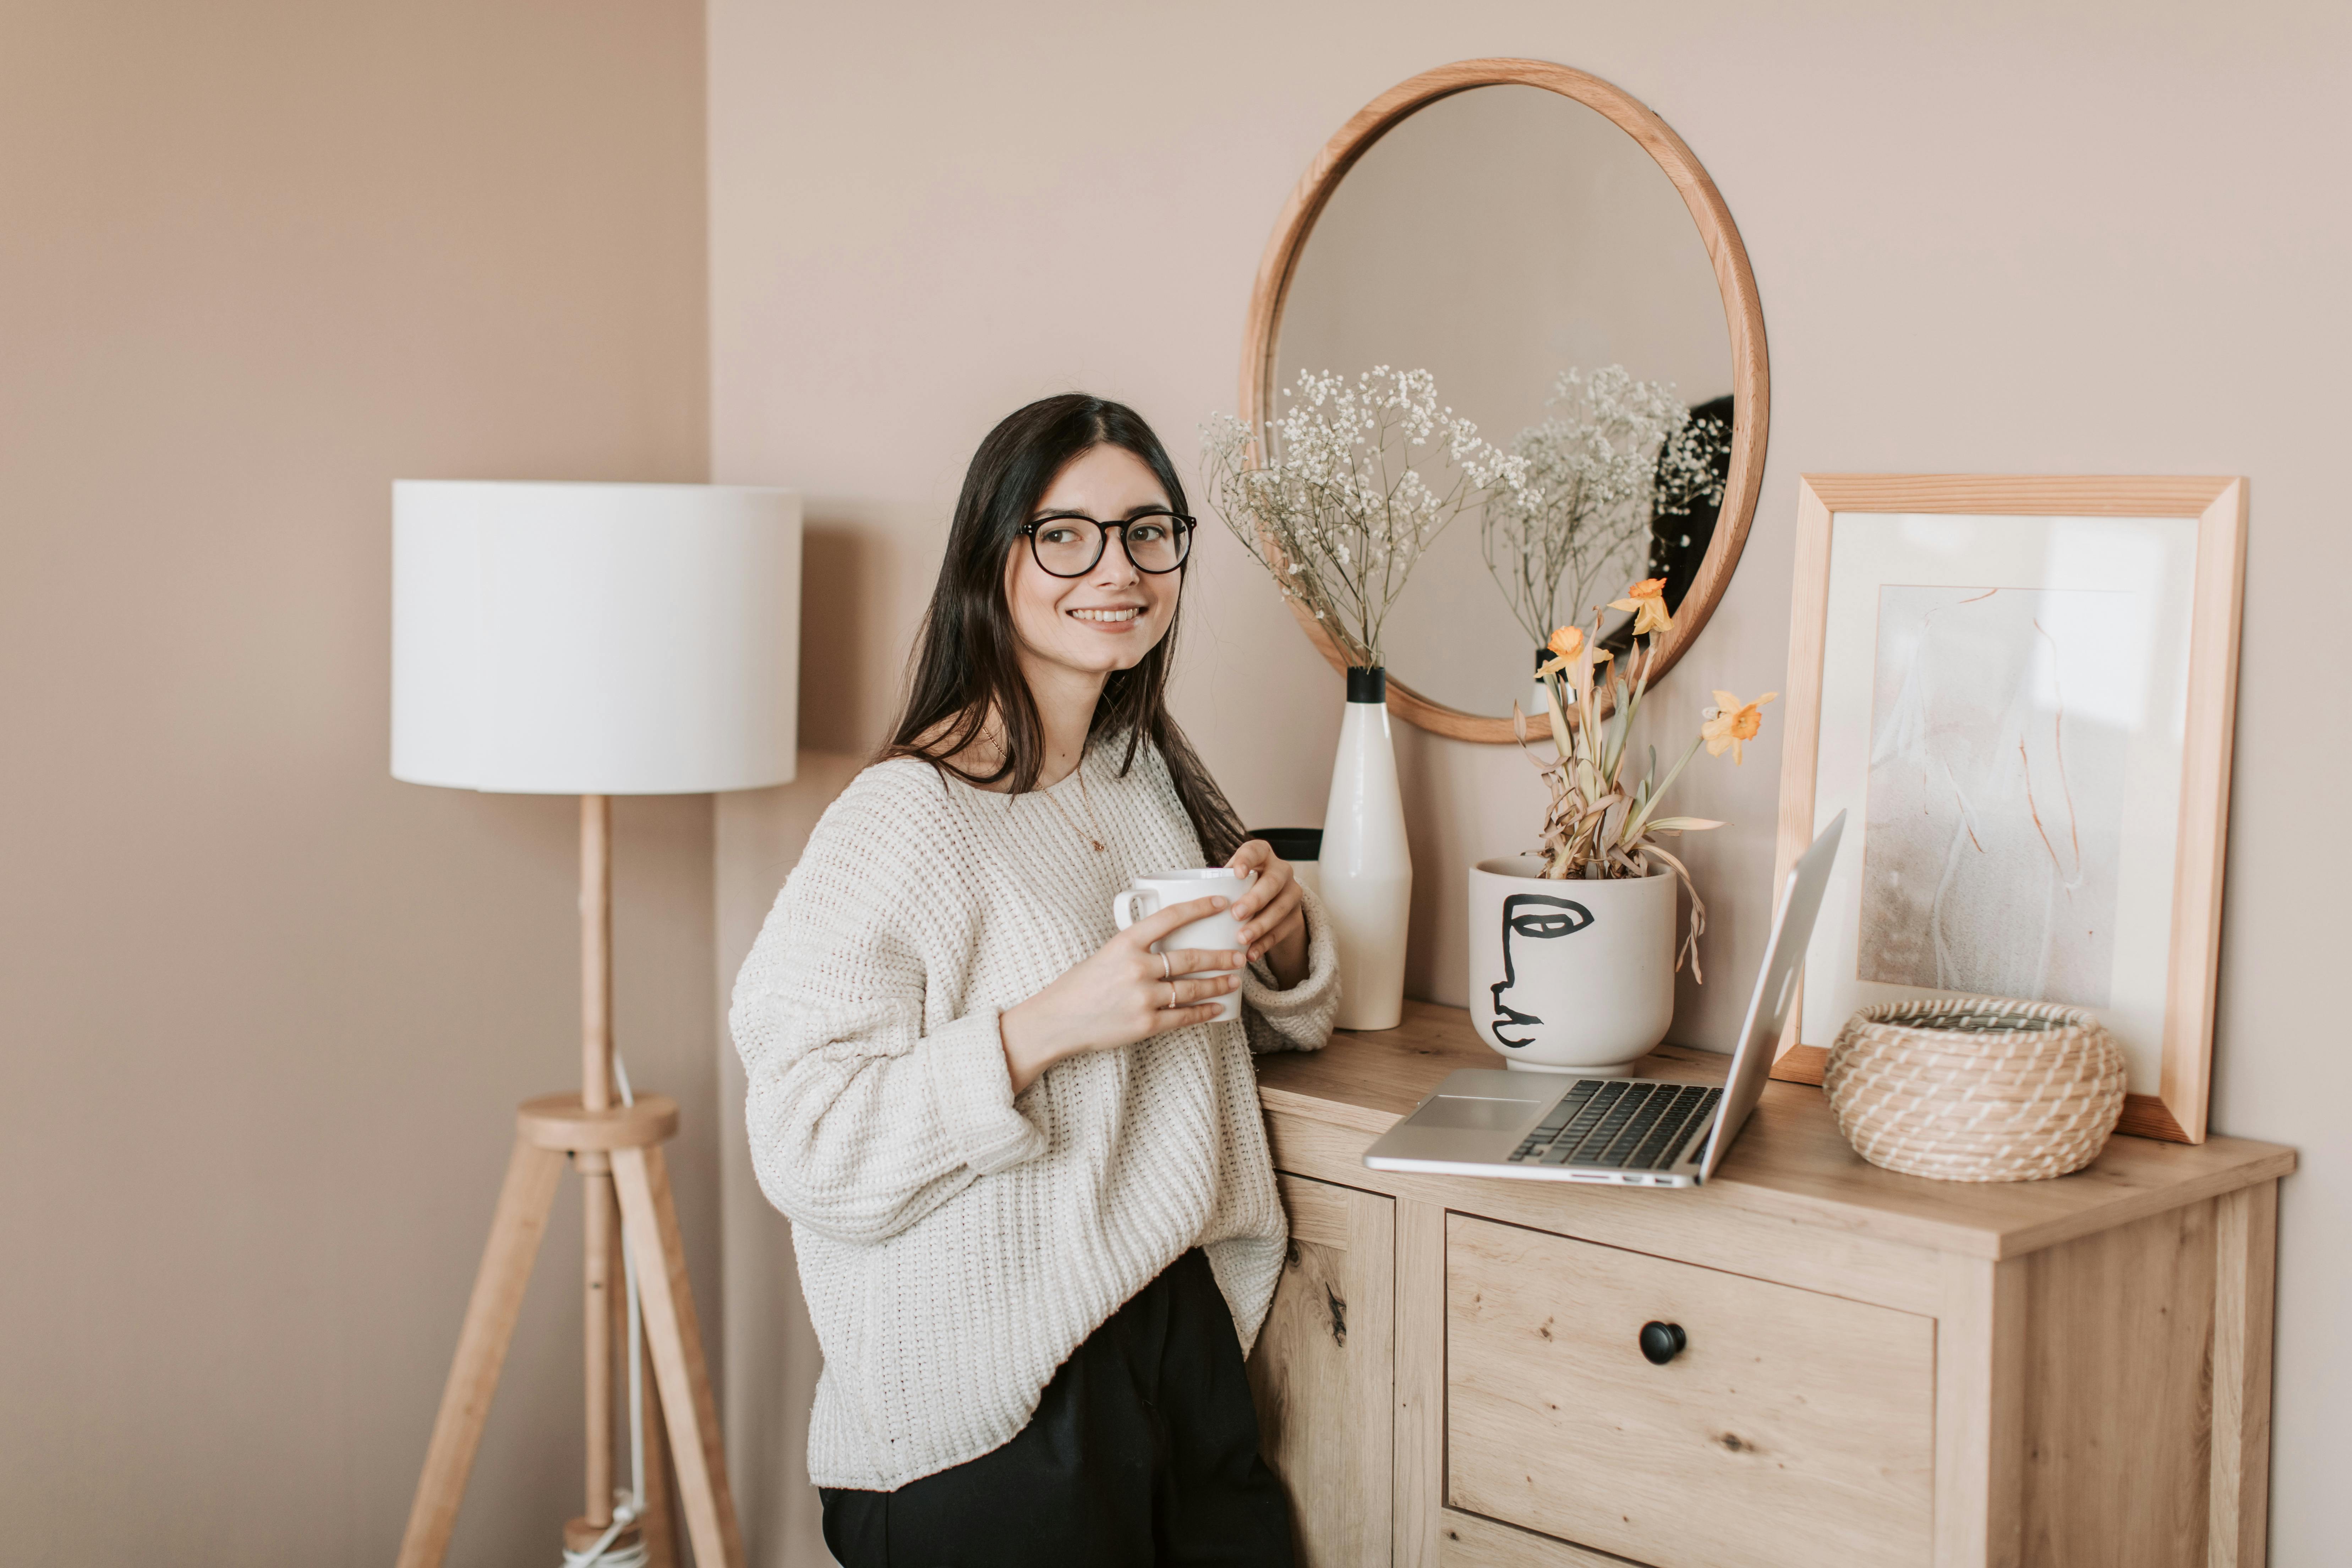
{"points": [[1511, 1018], [1118, 617]]}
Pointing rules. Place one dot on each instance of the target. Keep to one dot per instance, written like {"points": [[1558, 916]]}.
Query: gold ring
{"points": [[1165, 972], [1172, 995]]}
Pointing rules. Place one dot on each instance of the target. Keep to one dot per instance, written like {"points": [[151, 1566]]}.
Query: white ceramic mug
{"points": [[1162, 888]]}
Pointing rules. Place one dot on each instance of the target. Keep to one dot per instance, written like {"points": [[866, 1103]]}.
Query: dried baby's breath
{"points": [[1335, 501], [1615, 453]]}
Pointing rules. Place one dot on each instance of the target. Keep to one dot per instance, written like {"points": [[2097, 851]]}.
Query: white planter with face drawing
{"points": [[1571, 976]]}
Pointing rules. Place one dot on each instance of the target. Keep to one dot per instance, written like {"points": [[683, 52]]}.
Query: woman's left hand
{"points": [[1273, 913]]}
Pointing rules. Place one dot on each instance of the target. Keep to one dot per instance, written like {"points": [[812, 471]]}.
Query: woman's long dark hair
{"points": [[966, 665]]}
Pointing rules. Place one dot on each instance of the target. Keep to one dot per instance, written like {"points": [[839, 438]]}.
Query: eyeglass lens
{"points": [[1069, 546]]}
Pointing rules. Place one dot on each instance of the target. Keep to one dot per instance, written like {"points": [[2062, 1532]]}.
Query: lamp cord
{"points": [[628, 1505]]}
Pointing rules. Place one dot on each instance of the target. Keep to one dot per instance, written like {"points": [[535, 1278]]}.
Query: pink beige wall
{"points": [[2076, 237], [263, 1010]]}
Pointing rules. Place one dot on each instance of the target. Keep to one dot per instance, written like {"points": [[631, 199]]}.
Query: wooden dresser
{"points": [[1877, 1369]]}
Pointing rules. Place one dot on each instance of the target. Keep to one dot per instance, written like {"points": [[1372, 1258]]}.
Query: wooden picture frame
{"points": [[1735, 279], [2183, 973]]}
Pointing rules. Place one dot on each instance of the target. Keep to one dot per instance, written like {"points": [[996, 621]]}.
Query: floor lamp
{"points": [[593, 640]]}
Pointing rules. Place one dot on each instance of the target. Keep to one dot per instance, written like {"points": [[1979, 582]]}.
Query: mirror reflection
{"points": [[1534, 258]]}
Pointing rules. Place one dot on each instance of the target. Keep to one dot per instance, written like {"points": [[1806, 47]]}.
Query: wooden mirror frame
{"points": [[1750, 378]]}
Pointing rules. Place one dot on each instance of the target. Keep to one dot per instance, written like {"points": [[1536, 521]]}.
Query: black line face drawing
{"points": [[1532, 917]]}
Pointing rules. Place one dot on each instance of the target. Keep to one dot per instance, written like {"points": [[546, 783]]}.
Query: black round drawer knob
{"points": [[1661, 1342]]}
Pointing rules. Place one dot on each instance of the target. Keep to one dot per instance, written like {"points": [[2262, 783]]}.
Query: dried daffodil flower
{"points": [[1647, 600], [1730, 721], [1562, 645]]}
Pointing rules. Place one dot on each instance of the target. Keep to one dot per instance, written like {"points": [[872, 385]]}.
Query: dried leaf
{"points": [[1559, 722]]}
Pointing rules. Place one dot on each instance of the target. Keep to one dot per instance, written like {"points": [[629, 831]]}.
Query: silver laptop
{"points": [[1635, 1133]]}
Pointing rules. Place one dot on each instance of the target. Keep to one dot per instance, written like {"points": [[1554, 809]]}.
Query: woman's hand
{"points": [[1125, 993], [1273, 913]]}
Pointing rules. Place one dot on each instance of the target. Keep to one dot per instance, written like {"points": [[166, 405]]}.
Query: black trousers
{"points": [[1143, 1451]]}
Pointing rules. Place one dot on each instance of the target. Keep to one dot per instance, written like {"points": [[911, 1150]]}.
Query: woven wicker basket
{"points": [[1976, 1088]]}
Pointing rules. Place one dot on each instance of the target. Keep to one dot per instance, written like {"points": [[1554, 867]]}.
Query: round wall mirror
{"points": [[1553, 253]]}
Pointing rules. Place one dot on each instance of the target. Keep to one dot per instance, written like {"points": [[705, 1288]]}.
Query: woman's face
{"points": [[1109, 617]]}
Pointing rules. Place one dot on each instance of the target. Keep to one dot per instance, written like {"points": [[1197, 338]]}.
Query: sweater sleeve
{"points": [[1298, 1019], [860, 1121]]}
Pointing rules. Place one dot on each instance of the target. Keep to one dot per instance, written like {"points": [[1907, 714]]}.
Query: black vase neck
{"points": [[1369, 685]]}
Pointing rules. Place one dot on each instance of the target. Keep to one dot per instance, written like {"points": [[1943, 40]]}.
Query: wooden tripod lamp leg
{"points": [[612, 1147], [532, 1176], [657, 1521], [650, 1222], [596, 1182]]}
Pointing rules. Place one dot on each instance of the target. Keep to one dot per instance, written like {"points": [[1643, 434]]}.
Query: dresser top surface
{"points": [[1790, 1160]]}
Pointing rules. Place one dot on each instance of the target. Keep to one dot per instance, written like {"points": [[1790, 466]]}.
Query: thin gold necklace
{"points": [[1095, 837]]}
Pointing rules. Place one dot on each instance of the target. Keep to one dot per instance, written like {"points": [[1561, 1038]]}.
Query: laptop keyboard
{"points": [[1612, 1123]]}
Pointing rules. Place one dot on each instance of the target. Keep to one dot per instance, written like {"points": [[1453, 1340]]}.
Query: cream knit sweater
{"points": [[956, 1243]]}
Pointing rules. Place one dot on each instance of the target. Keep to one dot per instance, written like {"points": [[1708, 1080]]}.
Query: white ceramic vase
{"points": [[1365, 869], [1571, 976]]}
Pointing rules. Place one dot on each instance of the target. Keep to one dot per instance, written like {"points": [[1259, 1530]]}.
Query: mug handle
{"points": [[1122, 908]]}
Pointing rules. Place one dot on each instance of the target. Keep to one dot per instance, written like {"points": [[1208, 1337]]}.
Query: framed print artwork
{"points": [[2022, 690]]}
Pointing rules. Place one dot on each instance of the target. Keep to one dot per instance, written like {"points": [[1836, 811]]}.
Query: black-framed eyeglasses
{"points": [[1069, 543]]}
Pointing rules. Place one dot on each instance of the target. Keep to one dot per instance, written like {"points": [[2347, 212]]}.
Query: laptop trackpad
{"points": [[1450, 1110]]}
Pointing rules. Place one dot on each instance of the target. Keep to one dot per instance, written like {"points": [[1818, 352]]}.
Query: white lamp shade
{"points": [[595, 639]]}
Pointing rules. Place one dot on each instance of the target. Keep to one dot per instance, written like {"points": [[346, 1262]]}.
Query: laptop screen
{"points": [[1776, 986]]}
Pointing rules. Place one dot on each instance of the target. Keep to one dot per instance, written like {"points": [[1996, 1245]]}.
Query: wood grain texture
{"points": [[666, 1298], [2178, 1111], [1419, 1491], [2024, 495], [1799, 1063], [2099, 1361], [1735, 279], [1699, 1225], [596, 951], [601, 1265], [2144, 1115], [561, 1121], [600, 1292], [1979, 1413], [1793, 1429], [2202, 845], [1790, 1162], [659, 1521], [517, 1227], [1322, 1374], [1801, 739], [1468, 1540], [2116, 1416], [2245, 1277]]}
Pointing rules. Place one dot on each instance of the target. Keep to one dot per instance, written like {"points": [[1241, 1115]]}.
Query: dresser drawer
{"points": [[1792, 1429], [1468, 1540]]}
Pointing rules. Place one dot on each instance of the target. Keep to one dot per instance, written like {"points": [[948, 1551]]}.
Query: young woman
{"points": [[1035, 1218]]}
